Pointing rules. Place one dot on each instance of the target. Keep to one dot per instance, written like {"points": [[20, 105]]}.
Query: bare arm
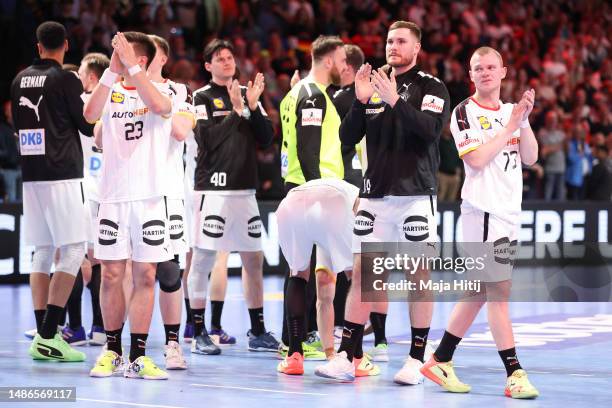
{"points": [[93, 108], [529, 145], [98, 134]]}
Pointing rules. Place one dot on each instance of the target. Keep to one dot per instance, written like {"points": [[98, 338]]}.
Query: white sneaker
{"points": [[379, 353], [338, 368], [30, 334], [174, 356], [410, 373]]}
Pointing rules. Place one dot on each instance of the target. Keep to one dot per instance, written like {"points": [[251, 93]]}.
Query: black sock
{"points": [[113, 340], [94, 288], [62, 319], [189, 312], [358, 352], [351, 333], [296, 304], [257, 321], [172, 331], [379, 321], [419, 341], [446, 348], [342, 288], [198, 321], [39, 315], [49, 324], [73, 306], [138, 345], [510, 360], [216, 310]]}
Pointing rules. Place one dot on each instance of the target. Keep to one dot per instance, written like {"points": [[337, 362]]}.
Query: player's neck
{"points": [[157, 77], [320, 76], [221, 82], [403, 69], [55, 56], [487, 99]]}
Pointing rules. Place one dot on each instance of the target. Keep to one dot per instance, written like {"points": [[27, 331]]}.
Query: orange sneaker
{"points": [[364, 367], [292, 365]]}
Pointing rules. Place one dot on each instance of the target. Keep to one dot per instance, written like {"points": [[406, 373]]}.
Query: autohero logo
{"points": [[254, 227], [176, 227], [364, 223], [416, 228], [107, 232], [214, 226], [504, 251], [153, 232]]}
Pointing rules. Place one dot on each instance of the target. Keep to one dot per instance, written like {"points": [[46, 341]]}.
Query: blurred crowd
{"points": [[562, 49]]}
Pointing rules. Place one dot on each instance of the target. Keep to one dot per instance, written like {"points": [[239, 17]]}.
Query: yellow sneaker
{"points": [[364, 367], [518, 386], [144, 367], [107, 364], [443, 374]]}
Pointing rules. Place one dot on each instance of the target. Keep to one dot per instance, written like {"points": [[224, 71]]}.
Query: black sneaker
{"points": [[203, 344], [263, 342]]}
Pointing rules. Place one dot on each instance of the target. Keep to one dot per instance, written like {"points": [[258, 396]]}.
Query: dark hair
{"points": [[323, 45], [216, 46], [161, 43], [96, 62], [143, 45], [354, 56], [70, 67], [414, 29], [51, 35]]}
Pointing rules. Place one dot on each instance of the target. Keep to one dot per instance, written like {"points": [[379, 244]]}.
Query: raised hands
{"points": [[529, 98], [233, 89], [124, 50], [385, 86], [254, 90], [363, 86]]}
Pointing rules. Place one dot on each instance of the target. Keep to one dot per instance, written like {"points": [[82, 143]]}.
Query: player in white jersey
{"points": [[168, 272], [136, 128], [317, 212], [493, 139]]}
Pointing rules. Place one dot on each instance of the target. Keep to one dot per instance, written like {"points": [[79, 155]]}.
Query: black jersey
{"points": [[226, 158], [343, 98], [48, 115], [401, 142]]}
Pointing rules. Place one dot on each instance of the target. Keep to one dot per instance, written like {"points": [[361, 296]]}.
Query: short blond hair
{"points": [[487, 50]]}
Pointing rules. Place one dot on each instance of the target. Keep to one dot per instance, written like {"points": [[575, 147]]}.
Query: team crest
{"points": [[484, 122], [375, 98], [117, 97], [218, 102]]}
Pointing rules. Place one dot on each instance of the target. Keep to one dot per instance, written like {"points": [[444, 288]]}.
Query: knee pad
{"points": [[71, 257], [43, 259], [169, 276], [201, 264]]}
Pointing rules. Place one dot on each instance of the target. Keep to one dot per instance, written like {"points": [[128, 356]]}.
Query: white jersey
{"points": [[498, 187], [135, 143], [191, 154], [349, 191], [181, 104], [92, 163]]}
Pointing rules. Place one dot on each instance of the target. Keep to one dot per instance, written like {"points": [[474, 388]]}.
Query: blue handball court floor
{"points": [[565, 347]]}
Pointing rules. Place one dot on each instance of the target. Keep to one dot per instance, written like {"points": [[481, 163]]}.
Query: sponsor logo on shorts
{"points": [[213, 226], [153, 232], [254, 227], [108, 231], [176, 227], [364, 223], [416, 228], [504, 251]]}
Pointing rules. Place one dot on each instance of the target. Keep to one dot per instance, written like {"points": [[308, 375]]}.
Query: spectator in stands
{"points": [[449, 175], [552, 142], [9, 157], [579, 162], [599, 182]]}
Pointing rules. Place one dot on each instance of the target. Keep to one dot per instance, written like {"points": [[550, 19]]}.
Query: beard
{"points": [[403, 61], [335, 77]]}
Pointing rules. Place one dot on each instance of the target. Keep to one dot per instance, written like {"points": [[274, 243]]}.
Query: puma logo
{"points": [[311, 101], [23, 101], [49, 351]]}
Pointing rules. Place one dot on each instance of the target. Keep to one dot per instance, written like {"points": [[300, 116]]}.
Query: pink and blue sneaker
{"points": [[220, 337], [74, 337]]}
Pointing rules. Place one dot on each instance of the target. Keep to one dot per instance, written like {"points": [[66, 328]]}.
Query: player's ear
{"points": [[417, 47], [207, 66], [66, 45], [40, 48], [504, 72]]}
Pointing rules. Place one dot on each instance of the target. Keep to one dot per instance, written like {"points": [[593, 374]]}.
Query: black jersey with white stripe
{"points": [[401, 141], [226, 158], [48, 114]]}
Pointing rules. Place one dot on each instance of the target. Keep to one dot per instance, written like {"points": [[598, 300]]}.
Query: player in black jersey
{"points": [[231, 122], [48, 115], [401, 113]]}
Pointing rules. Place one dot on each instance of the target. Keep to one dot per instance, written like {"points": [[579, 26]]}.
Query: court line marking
{"points": [[540, 372], [257, 389], [582, 375], [133, 404]]}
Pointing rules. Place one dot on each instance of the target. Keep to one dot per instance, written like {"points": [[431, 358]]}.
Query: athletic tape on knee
{"points": [[42, 259], [201, 264], [169, 276], [71, 257]]}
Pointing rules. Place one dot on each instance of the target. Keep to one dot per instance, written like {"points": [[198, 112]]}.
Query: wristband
{"points": [[524, 124], [134, 70], [108, 78]]}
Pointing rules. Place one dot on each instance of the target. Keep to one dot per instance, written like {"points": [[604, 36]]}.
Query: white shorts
{"points": [[491, 237], [189, 213], [94, 206], [321, 217], [395, 219], [55, 213], [227, 222], [133, 229], [176, 224]]}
